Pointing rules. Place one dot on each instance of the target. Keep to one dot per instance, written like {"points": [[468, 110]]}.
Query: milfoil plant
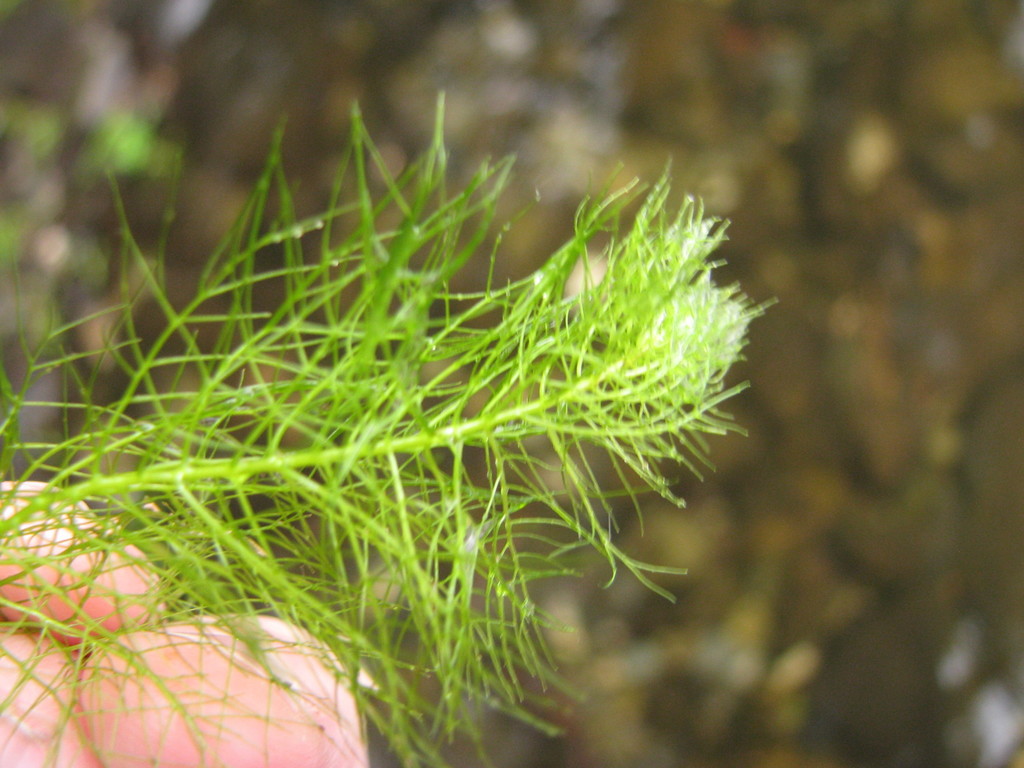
{"points": [[331, 432]]}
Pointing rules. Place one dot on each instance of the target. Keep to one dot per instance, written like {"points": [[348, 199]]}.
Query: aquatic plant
{"points": [[379, 458]]}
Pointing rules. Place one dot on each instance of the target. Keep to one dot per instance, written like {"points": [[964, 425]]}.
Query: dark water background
{"points": [[855, 593]]}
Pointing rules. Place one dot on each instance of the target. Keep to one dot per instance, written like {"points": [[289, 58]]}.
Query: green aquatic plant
{"points": [[331, 432]]}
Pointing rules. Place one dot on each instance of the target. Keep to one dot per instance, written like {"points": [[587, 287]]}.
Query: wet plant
{"points": [[379, 457]]}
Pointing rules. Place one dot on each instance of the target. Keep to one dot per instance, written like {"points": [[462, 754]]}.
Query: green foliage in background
{"points": [[376, 456]]}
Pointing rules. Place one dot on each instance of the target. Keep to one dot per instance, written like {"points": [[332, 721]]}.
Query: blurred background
{"points": [[855, 594]]}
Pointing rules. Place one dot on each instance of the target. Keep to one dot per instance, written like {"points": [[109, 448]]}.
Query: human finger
{"points": [[38, 728], [191, 697], [62, 566], [294, 657]]}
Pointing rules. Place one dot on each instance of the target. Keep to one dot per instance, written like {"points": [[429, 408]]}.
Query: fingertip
{"points": [[45, 572]]}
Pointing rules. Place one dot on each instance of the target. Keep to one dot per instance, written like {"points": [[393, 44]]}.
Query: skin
{"points": [[37, 726], [176, 695], [90, 588]]}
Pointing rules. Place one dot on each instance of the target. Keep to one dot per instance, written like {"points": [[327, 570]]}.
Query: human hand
{"points": [[171, 695]]}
